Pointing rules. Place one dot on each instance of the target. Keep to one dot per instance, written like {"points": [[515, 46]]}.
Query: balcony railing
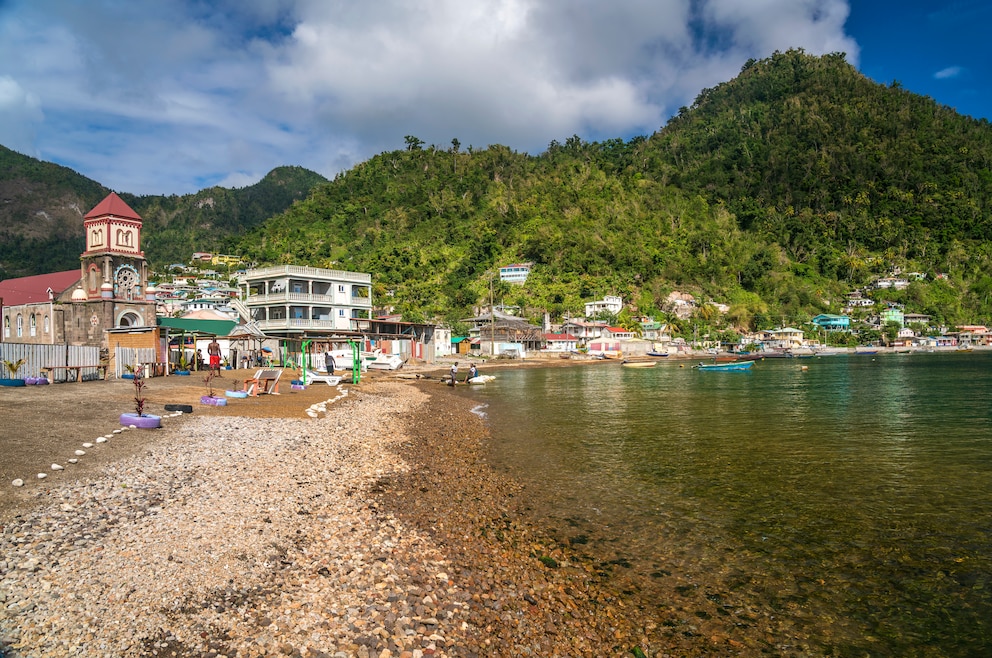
{"points": [[315, 273], [305, 298], [298, 323]]}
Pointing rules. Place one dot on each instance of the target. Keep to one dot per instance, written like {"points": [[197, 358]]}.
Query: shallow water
{"points": [[842, 510]]}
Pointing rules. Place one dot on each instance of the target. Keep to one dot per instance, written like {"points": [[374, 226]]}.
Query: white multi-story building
{"points": [[515, 273], [289, 299], [609, 304]]}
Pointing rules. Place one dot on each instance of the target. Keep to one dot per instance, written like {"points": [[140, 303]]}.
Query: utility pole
{"points": [[492, 317]]}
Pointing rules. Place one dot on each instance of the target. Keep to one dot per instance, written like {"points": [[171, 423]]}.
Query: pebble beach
{"points": [[373, 527]]}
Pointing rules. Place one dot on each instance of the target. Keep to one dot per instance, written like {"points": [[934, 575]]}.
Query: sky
{"points": [[173, 96]]}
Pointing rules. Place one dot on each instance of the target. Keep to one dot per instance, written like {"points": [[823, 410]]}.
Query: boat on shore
{"points": [[735, 366]]}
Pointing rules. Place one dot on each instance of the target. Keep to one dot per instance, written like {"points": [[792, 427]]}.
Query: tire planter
{"points": [[30, 381], [12, 382], [185, 408], [213, 401], [236, 394], [181, 373], [144, 421]]}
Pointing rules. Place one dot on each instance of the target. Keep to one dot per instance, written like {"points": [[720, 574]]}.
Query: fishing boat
{"points": [[737, 365], [657, 354], [638, 364]]}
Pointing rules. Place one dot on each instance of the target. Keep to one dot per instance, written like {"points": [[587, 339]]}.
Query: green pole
{"points": [[356, 362], [306, 363]]}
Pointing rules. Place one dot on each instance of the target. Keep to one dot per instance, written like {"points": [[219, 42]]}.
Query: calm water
{"points": [[847, 507]]}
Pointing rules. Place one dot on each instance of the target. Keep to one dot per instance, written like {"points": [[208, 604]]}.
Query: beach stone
{"points": [[18, 482], [80, 453], [57, 467], [87, 445], [73, 461], [42, 476], [101, 440]]}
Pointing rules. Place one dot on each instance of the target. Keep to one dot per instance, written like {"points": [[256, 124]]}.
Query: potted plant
{"points": [[12, 367], [183, 365], [139, 418], [210, 398]]}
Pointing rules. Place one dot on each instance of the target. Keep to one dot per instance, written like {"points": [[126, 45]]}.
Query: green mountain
{"points": [[775, 193], [42, 207]]}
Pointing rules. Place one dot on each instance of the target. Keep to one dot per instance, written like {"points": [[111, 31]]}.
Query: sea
{"points": [[837, 505]]}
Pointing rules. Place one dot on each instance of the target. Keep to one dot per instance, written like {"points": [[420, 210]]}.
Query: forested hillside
{"points": [[42, 207], [776, 193]]}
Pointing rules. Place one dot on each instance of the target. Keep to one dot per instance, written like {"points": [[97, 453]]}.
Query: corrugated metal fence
{"points": [[130, 356], [37, 357]]}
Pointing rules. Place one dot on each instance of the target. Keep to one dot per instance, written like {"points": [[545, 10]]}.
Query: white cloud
{"points": [[152, 97], [949, 72]]}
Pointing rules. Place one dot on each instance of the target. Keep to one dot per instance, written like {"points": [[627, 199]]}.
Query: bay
{"points": [[830, 506]]}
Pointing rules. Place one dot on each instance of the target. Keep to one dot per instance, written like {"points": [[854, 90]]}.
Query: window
{"points": [[340, 288], [20, 326], [6, 326], [33, 324], [340, 312], [47, 325]]}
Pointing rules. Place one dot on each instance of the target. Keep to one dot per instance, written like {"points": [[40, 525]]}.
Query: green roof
{"points": [[211, 327]]}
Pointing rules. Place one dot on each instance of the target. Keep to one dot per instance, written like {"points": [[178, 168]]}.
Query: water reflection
{"points": [[848, 501]]}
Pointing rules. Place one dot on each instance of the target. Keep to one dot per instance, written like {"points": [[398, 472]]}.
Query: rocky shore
{"points": [[374, 530]]}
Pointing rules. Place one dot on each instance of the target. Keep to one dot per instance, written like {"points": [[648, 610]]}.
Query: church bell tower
{"points": [[113, 264]]}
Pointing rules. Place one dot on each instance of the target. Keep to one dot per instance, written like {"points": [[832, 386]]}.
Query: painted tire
{"points": [[236, 394], [12, 382], [147, 421], [213, 402], [185, 408]]}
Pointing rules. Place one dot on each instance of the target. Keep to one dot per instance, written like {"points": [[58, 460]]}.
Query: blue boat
{"points": [[736, 365]]}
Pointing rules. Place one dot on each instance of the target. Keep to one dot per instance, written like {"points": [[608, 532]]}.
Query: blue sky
{"points": [[163, 97]]}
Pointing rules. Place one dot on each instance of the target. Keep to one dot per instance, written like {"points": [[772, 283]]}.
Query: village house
{"points": [[584, 330], [560, 343], [609, 304], [516, 273]]}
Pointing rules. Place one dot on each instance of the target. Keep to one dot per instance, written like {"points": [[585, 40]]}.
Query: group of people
{"points": [[472, 372]]}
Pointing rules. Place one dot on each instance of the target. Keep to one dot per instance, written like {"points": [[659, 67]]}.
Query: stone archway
{"points": [[130, 319]]}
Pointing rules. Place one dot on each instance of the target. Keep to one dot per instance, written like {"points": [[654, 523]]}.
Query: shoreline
{"points": [[214, 538]]}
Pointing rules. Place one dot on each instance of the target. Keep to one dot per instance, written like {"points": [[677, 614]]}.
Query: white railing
{"points": [[303, 297], [297, 323], [307, 272]]}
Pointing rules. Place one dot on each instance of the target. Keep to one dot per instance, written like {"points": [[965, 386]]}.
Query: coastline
{"points": [[216, 538]]}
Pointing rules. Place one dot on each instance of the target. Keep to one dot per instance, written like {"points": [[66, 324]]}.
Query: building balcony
{"points": [[304, 298], [299, 324], [304, 272]]}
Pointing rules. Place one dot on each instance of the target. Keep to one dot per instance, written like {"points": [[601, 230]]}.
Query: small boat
{"points": [[657, 354], [638, 364], [737, 365]]}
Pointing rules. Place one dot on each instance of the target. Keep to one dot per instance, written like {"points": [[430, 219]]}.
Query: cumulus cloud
{"points": [[151, 97]]}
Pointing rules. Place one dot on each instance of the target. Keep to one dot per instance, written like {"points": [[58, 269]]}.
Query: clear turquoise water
{"points": [[844, 510]]}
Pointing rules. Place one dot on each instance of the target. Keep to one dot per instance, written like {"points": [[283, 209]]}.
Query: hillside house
{"points": [[609, 304]]}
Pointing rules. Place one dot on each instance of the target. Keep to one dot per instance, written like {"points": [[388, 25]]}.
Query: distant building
{"points": [[832, 322], [516, 273], [609, 304], [560, 343]]}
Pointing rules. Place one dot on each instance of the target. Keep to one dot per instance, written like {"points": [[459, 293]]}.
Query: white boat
{"points": [[380, 361]]}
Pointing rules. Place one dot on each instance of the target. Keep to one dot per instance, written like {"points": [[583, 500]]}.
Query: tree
{"points": [[413, 143]]}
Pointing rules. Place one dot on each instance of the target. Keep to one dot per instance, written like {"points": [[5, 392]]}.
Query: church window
{"points": [[47, 325], [20, 326], [6, 326], [33, 324]]}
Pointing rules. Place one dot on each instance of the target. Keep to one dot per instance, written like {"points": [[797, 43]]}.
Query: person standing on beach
{"points": [[213, 351], [454, 373], [329, 364]]}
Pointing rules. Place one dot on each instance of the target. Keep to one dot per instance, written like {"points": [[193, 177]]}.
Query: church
{"points": [[110, 289]]}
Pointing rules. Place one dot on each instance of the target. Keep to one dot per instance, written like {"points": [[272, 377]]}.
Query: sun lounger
{"points": [[265, 381], [311, 377]]}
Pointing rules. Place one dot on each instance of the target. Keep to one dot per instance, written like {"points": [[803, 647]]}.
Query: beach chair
{"points": [[311, 377], [265, 381]]}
